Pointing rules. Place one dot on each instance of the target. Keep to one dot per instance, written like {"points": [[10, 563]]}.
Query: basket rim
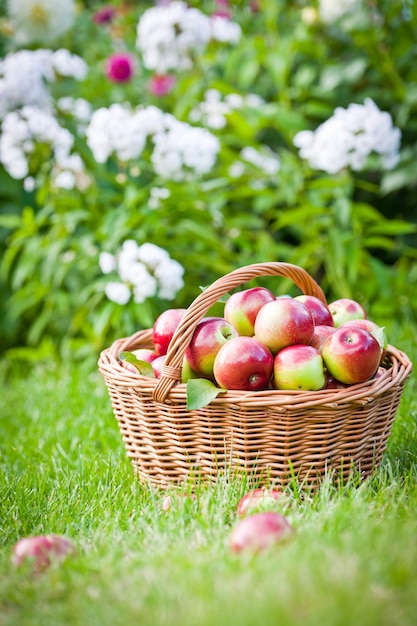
{"points": [[361, 393]]}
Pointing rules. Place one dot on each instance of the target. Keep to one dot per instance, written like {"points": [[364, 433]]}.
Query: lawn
{"points": [[353, 558]]}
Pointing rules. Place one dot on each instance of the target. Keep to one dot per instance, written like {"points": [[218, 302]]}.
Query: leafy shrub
{"points": [[199, 153]]}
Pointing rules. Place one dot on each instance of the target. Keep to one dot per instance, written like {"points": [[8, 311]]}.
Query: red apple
{"points": [[299, 367], [243, 363], [282, 323], [321, 332], [333, 383], [209, 336], [242, 307], [345, 309], [257, 499], [42, 550], [320, 311], [372, 327], [157, 365], [351, 355], [164, 327], [259, 532]]}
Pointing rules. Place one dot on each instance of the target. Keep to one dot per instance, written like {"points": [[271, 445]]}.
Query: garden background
{"points": [[145, 150]]}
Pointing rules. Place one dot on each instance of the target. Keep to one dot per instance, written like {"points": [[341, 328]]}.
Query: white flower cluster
{"points": [[24, 76], [169, 36], [40, 20], [213, 110], [333, 10], [349, 137], [267, 160], [178, 147], [144, 271]]}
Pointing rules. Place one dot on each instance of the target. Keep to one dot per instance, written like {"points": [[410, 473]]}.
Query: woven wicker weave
{"points": [[270, 435]]}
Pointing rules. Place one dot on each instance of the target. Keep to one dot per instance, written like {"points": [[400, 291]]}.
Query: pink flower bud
{"points": [[161, 85], [104, 15], [119, 67]]}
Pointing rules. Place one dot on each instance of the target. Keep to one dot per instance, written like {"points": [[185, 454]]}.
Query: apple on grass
{"points": [[258, 499], [242, 307], [345, 309], [259, 532], [299, 367], [164, 327], [318, 309], [351, 355], [243, 363], [282, 323], [41, 551], [209, 336]]}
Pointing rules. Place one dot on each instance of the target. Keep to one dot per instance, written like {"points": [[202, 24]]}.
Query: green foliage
{"points": [[355, 232]]}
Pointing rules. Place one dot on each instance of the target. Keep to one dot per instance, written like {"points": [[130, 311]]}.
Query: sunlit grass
{"points": [[63, 469]]}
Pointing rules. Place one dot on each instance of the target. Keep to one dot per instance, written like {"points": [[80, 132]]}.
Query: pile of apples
{"points": [[268, 342]]}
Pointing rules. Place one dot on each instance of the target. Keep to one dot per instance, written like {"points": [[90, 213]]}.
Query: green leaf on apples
{"points": [[143, 367], [380, 336], [200, 392]]}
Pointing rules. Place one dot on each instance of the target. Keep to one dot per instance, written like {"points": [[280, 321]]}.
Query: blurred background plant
{"points": [[148, 148]]}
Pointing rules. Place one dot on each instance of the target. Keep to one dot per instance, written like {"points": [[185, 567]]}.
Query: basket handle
{"points": [[171, 371]]}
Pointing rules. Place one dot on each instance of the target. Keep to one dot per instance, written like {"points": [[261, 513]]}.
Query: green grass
{"points": [[63, 469]]}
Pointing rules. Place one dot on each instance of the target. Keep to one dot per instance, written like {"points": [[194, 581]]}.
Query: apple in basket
{"points": [[345, 309], [372, 327], [259, 532], [284, 322], [320, 311], [321, 332], [299, 367], [164, 327], [242, 307], [209, 336], [351, 355], [243, 363]]}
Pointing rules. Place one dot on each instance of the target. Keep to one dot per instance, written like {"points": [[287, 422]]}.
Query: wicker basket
{"points": [[270, 435]]}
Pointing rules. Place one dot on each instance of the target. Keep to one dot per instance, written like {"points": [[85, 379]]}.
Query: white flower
{"points": [[332, 10], [145, 271], [23, 130], [40, 20], [117, 292], [225, 30], [265, 159], [349, 137], [70, 65], [107, 262], [184, 148], [168, 36], [25, 77], [115, 131], [65, 180]]}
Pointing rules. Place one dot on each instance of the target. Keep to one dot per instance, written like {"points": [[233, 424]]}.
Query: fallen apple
{"points": [[259, 532], [318, 309], [282, 323], [42, 550], [164, 327], [257, 499], [351, 355], [299, 367], [345, 309], [209, 336], [242, 307], [243, 363]]}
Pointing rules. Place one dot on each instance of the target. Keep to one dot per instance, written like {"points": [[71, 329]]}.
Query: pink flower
{"points": [[161, 84], [223, 9], [119, 67], [104, 15]]}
